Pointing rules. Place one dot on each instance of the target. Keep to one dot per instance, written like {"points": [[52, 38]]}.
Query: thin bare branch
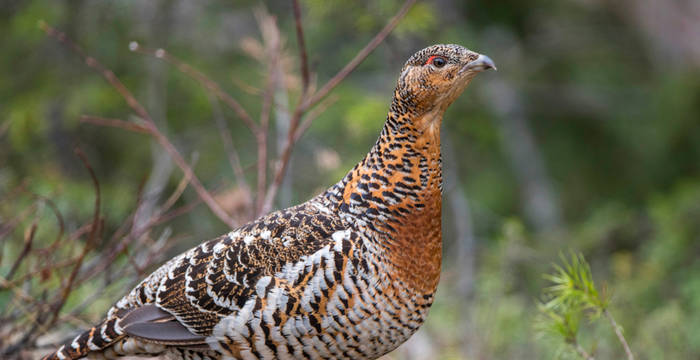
{"points": [[272, 45], [313, 114], [249, 89], [10, 225], [162, 211], [51, 266], [174, 213], [262, 172], [116, 123], [28, 240], [233, 158], [175, 195], [34, 310], [303, 59], [620, 336], [203, 80], [582, 352]]}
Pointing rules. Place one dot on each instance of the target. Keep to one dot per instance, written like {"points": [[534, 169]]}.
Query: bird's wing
{"points": [[193, 292], [151, 323]]}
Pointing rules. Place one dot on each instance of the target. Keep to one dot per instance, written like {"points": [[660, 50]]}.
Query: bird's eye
{"points": [[437, 61]]}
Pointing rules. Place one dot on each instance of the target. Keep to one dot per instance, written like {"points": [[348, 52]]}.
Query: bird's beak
{"points": [[481, 63]]}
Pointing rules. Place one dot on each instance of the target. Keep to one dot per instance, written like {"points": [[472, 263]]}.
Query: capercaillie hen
{"points": [[349, 274]]}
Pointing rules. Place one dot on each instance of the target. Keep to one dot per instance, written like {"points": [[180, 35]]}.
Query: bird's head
{"points": [[435, 76]]}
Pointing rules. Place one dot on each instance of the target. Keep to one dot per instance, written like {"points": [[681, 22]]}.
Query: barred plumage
{"points": [[348, 274]]}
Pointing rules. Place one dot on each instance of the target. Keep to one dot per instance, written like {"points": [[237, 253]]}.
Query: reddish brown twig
{"points": [[116, 123], [303, 59], [53, 266], [10, 225], [165, 217], [28, 240], [175, 195]]}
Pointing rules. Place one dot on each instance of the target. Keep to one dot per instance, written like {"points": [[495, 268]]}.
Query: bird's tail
{"points": [[95, 339]]}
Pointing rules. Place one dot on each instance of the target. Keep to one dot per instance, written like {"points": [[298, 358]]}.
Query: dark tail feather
{"points": [[95, 339]]}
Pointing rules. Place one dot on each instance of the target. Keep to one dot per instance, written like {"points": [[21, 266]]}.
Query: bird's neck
{"points": [[396, 192]]}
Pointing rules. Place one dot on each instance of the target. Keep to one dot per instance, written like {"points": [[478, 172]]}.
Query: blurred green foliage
{"points": [[613, 107]]}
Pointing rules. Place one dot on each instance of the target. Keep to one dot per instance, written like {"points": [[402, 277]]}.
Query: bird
{"points": [[348, 274]]}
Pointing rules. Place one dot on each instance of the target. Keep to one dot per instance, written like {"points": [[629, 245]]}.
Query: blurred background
{"points": [[586, 139]]}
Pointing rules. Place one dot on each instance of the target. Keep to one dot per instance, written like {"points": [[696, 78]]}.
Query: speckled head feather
{"points": [[455, 54], [435, 76]]}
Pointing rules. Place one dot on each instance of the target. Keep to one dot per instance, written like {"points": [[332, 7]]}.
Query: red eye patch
{"points": [[430, 59], [436, 60]]}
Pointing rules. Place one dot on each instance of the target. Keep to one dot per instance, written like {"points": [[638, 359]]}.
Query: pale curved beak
{"points": [[481, 63]]}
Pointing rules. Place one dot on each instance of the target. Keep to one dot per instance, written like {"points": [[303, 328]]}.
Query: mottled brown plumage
{"points": [[348, 274]]}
